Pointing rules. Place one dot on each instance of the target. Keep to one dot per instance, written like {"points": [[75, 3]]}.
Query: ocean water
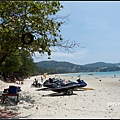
{"points": [[95, 74]]}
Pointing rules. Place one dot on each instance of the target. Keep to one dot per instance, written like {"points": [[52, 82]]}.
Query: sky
{"points": [[96, 26]]}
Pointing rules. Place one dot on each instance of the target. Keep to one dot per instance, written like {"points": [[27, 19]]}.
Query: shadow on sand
{"points": [[7, 114], [57, 95], [44, 89]]}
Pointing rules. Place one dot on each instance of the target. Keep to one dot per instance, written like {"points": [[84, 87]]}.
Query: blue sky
{"points": [[96, 26]]}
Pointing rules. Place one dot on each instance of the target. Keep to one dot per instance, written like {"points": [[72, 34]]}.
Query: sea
{"points": [[95, 74]]}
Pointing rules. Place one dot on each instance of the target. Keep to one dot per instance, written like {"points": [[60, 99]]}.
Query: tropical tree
{"points": [[18, 66], [27, 27], [30, 26]]}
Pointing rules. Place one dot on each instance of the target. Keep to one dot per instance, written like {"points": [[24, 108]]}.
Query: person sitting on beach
{"points": [[79, 78], [65, 81], [35, 82]]}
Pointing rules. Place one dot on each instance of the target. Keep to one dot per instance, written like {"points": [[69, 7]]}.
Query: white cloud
{"points": [[61, 56]]}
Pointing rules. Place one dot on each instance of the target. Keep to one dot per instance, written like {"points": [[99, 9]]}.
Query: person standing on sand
{"points": [[45, 75], [41, 79], [79, 76], [14, 79], [114, 76]]}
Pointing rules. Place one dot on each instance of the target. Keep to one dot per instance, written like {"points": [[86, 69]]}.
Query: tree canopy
{"points": [[37, 20]]}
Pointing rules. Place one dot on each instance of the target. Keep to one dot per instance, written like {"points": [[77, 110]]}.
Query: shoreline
{"points": [[96, 74], [101, 102]]}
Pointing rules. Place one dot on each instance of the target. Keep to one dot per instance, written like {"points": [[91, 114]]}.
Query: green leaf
{"points": [[6, 30]]}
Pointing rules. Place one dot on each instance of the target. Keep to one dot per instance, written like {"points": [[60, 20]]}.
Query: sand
{"points": [[99, 99]]}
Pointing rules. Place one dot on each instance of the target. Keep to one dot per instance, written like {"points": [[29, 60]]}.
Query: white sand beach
{"points": [[103, 101]]}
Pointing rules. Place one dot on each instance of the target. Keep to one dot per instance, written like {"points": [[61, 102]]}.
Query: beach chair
{"points": [[11, 91]]}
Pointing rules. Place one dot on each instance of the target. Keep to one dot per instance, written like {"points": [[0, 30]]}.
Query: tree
{"points": [[35, 17], [25, 21], [28, 68], [18, 66]]}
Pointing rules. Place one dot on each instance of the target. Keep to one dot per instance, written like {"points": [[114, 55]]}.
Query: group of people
{"points": [[18, 79], [35, 82]]}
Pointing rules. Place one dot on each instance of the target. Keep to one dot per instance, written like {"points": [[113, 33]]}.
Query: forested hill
{"points": [[66, 67]]}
